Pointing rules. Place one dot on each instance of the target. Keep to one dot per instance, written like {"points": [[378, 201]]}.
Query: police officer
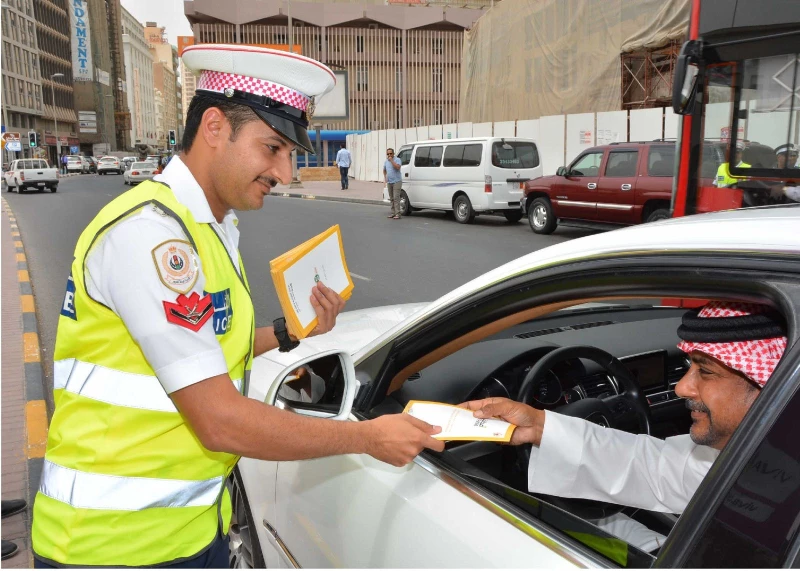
{"points": [[724, 178], [786, 156], [157, 335]]}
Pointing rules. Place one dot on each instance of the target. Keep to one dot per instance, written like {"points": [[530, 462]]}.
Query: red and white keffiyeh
{"points": [[756, 359]]}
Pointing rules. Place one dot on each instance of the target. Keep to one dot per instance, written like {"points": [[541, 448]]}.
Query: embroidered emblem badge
{"points": [[176, 265], [190, 312]]}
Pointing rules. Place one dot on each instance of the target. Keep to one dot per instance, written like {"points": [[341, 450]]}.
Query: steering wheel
{"points": [[630, 404]]}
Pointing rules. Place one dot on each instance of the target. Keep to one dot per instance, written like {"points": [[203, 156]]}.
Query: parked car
{"points": [[25, 174], [469, 506], [77, 163], [620, 184], [92, 164], [128, 161], [110, 164], [481, 175], [139, 172]]}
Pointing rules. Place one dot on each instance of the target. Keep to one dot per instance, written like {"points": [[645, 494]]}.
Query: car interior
{"points": [[611, 361]]}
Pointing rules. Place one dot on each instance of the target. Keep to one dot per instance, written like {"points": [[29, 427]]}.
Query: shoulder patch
{"points": [[176, 265]]}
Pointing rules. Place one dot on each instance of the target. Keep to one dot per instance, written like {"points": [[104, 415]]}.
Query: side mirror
{"points": [[323, 385], [561, 171], [684, 84]]}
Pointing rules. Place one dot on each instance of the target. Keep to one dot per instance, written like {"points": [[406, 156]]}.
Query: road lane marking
{"points": [[36, 428], [23, 276], [366, 279], [21, 257], [27, 304]]}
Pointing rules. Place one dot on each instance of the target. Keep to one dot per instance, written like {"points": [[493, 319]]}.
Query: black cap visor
{"points": [[297, 134]]}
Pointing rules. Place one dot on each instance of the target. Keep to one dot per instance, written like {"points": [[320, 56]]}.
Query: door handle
{"points": [[591, 186], [406, 175], [625, 187]]}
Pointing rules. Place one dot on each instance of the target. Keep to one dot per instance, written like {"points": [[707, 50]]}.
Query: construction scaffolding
{"points": [[647, 76]]}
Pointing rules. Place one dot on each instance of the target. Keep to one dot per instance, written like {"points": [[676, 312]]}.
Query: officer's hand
{"points": [[528, 420], [328, 304], [397, 438]]}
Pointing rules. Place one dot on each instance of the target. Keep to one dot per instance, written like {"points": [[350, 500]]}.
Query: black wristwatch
{"points": [[285, 343]]}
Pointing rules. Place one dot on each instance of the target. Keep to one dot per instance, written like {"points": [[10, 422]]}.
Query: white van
{"points": [[480, 175]]}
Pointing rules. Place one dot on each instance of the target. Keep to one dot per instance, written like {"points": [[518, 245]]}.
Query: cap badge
{"points": [[312, 106], [229, 92]]}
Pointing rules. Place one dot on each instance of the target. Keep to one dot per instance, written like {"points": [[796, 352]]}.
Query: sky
{"points": [[167, 13]]}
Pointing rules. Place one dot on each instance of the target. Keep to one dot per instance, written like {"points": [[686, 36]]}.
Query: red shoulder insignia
{"points": [[190, 312]]}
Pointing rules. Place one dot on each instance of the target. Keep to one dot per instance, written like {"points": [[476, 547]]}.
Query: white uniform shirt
{"points": [[121, 274], [579, 459]]}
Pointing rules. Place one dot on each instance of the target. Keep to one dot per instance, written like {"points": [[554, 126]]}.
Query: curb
{"points": [[36, 423], [328, 198]]}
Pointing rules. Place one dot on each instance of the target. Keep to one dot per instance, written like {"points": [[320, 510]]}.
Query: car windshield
{"points": [[108, 160], [144, 165], [515, 155]]}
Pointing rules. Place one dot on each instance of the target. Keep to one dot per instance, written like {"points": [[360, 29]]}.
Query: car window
{"points": [[108, 160], [621, 163], [144, 165], [404, 156], [463, 155], [28, 164], [587, 165], [435, 159], [421, 158], [661, 160], [515, 155]]}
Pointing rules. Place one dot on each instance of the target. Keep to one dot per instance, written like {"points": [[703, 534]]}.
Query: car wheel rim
{"points": [[240, 547], [539, 216], [402, 204], [461, 210]]}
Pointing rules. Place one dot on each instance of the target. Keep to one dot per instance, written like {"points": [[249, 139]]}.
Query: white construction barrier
{"points": [[671, 123], [464, 130], [580, 134], [505, 129], [647, 124], [422, 133], [450, 131], [528, 129], [400, 137], [482, 130], [612, 127], [551, 143], [435, 132]]}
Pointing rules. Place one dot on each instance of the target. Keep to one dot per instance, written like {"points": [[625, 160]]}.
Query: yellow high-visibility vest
{"points": [[125, 480], [724, 178]]}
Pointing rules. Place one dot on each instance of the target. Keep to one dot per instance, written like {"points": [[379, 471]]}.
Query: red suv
{"points": [[620, 183]]}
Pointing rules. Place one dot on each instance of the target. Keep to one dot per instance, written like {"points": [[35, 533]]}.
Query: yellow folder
{"points": [[295, 273]]}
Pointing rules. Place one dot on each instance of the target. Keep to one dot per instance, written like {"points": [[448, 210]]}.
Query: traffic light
{"points": [[172, 138], [32, 139]]}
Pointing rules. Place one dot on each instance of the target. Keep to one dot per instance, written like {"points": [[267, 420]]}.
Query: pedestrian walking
{"points": [[156, 338], [394, 182], [64, 164], [343, 161]]}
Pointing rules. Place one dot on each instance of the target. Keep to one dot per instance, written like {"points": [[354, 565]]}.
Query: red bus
{"points": [[737, 87]]}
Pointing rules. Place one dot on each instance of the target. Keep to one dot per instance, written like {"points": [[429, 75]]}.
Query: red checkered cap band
{"points": [[218, 82], [757, 359]]}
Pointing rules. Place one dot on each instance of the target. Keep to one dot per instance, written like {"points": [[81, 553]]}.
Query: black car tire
{"points": [[54, 188], [462, 210], [513, 216], [242, 528], [541, 217], [405, 204], [656, 215]]}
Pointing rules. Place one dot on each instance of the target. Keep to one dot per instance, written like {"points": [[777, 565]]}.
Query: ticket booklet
{"points": [[297, 271], [459, 423]]}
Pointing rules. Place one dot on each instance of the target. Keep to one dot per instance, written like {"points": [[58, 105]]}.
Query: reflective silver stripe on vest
{"points": [[102, 492], [114, 387]]}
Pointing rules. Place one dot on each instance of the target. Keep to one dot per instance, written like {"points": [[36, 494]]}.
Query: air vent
{"points": [[413, 377], [541, 332], [597, 386]]}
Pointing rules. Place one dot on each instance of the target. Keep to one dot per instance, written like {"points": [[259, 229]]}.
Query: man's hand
{"points": [[327, 304], [528, 420], [398, 438]]}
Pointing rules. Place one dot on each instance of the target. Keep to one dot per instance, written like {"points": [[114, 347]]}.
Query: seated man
{"points": [[724, 178], [734, 347]]}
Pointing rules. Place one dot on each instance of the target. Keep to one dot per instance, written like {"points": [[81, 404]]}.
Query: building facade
{"points": [[403, 62], [161, 134], [165, 78], [139, 74], [189, 84], [58, 118], [22, 84]]}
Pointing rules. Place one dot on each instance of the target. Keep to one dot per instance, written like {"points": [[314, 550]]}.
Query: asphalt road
{"points": [[418, 258]]}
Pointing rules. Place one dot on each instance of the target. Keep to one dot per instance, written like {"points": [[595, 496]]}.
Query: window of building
{"points": [[417, 122], [437, 45], [398, 45], [363, 117], [398, 79], [436, 86], [399, 117], [279, 39], [362, 78], [360, 44], [437, 116]]}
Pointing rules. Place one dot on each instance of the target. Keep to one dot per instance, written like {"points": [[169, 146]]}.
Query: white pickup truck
{"points": [[24, 174]]}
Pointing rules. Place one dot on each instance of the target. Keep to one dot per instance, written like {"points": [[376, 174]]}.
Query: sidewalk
{"points": [[359, 191], [24, 418]]}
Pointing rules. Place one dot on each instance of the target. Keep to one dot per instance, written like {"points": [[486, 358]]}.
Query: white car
{"points": [[31, 174], [110, 164], [139, 172], [78, 163], [479, 175], [556, 321]]}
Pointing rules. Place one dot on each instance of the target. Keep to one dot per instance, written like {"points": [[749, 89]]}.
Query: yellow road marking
{"points": [[17, 244], [27, 304], [15, 234], [36, 424], [22, 276], [20, 257], [30, 347]]}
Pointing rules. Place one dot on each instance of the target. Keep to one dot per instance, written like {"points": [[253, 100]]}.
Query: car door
{"points": [[417, 183], [616, 187], [575, 193]]}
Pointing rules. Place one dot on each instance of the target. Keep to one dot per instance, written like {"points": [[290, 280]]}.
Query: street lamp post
{"points": [[55, 118]]}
